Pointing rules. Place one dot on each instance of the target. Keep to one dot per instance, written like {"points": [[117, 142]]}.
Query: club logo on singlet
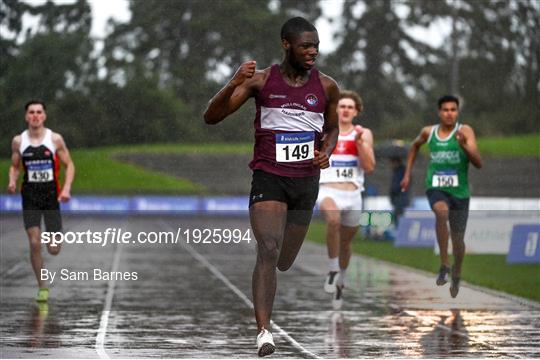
{"points": [[341, 147], [311, 99]]}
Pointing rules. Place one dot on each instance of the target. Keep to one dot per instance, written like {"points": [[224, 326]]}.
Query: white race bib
{"points": [[40, 175], [445, 179], [343, 170], [40, 171], [292, 147]]}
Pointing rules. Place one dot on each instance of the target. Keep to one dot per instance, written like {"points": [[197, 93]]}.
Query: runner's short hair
{"points": [[447, 98], [33, 102], [353, 95], [294, 27]]}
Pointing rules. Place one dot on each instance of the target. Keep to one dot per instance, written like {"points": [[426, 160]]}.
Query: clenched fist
{"points": [[245, 71]]}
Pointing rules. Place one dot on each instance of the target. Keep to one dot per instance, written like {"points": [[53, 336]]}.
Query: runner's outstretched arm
{"points": [[364, 146], [65, 158], [467, 140], [420, 140], [14, 169]]}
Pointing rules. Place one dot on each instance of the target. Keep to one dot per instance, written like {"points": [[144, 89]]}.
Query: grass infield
{"points": [[490, 271], [96, 172], [519, 146]]}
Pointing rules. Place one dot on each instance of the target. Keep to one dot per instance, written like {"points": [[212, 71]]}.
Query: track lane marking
{"points": [[104, 320], [242, 296]]}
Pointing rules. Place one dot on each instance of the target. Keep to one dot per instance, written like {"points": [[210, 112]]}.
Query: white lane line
{"points": [[15, 268], [242, 296], [100, 338]]}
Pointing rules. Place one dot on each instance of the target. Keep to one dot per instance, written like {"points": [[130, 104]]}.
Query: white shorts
{"points": [[348, 202]]}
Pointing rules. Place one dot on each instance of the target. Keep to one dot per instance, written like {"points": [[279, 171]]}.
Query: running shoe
{"points": [[43, 309], [42, 295], [454, 286], [331, 282], [337, 300], [443, 275], [265, 343]]}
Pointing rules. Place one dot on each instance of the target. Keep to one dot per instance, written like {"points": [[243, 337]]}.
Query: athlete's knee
{"points": [[441, 215], [268, 252], [35, 245], [333, 221]]}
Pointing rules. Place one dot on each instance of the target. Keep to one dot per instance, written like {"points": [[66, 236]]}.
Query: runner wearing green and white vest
{"points": [[452, 146]]}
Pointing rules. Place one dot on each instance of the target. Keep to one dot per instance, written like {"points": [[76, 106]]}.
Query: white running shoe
{"points": [[265, 343], [337, 299], [331, 282]]}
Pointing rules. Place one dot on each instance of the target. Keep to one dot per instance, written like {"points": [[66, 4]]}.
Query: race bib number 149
{"points": [[292, 147]]}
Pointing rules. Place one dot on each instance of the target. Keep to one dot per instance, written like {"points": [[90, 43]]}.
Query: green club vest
{"points": [[448, 165]]}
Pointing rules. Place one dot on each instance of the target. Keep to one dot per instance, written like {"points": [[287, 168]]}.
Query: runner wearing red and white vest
{"points": [[296, 129], [340, 192]]}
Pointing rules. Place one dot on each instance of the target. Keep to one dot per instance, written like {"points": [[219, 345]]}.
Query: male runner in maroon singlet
{"points": [[296, 130], [40, 151]]}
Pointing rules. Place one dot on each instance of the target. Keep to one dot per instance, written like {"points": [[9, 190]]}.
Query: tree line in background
{"points": [[150, 79]]}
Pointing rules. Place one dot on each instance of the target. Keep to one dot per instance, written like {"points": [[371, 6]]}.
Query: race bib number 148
{"points": [[291, 147]]}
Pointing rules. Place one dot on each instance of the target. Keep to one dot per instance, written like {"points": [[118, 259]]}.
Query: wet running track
{"points": [[194, 301]]}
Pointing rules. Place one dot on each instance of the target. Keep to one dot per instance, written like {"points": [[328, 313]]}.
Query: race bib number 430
{"points": [[295, 146], [445, 179], [40, 172]]}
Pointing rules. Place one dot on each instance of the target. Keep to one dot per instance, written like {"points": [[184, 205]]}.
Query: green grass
{"points": [[97, 171], [490, 271], [202, 148], [523, 145]]}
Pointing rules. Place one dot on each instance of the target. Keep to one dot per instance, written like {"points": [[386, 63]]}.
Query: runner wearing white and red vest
{"points": [[340, 193], [39, 151], [345, 164], [296, 110]]}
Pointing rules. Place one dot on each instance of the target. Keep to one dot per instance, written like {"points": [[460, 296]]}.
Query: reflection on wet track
{"points": [[178, 308]]}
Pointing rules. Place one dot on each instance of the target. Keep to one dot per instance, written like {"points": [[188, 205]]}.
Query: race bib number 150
{"points": [[445, 179], [292, 147]]}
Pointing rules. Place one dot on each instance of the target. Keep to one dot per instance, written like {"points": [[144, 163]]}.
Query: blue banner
{"points": [[10, 203], [524, 246], [96, 204], [165, 204], [416, 232], [225, 205]]}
